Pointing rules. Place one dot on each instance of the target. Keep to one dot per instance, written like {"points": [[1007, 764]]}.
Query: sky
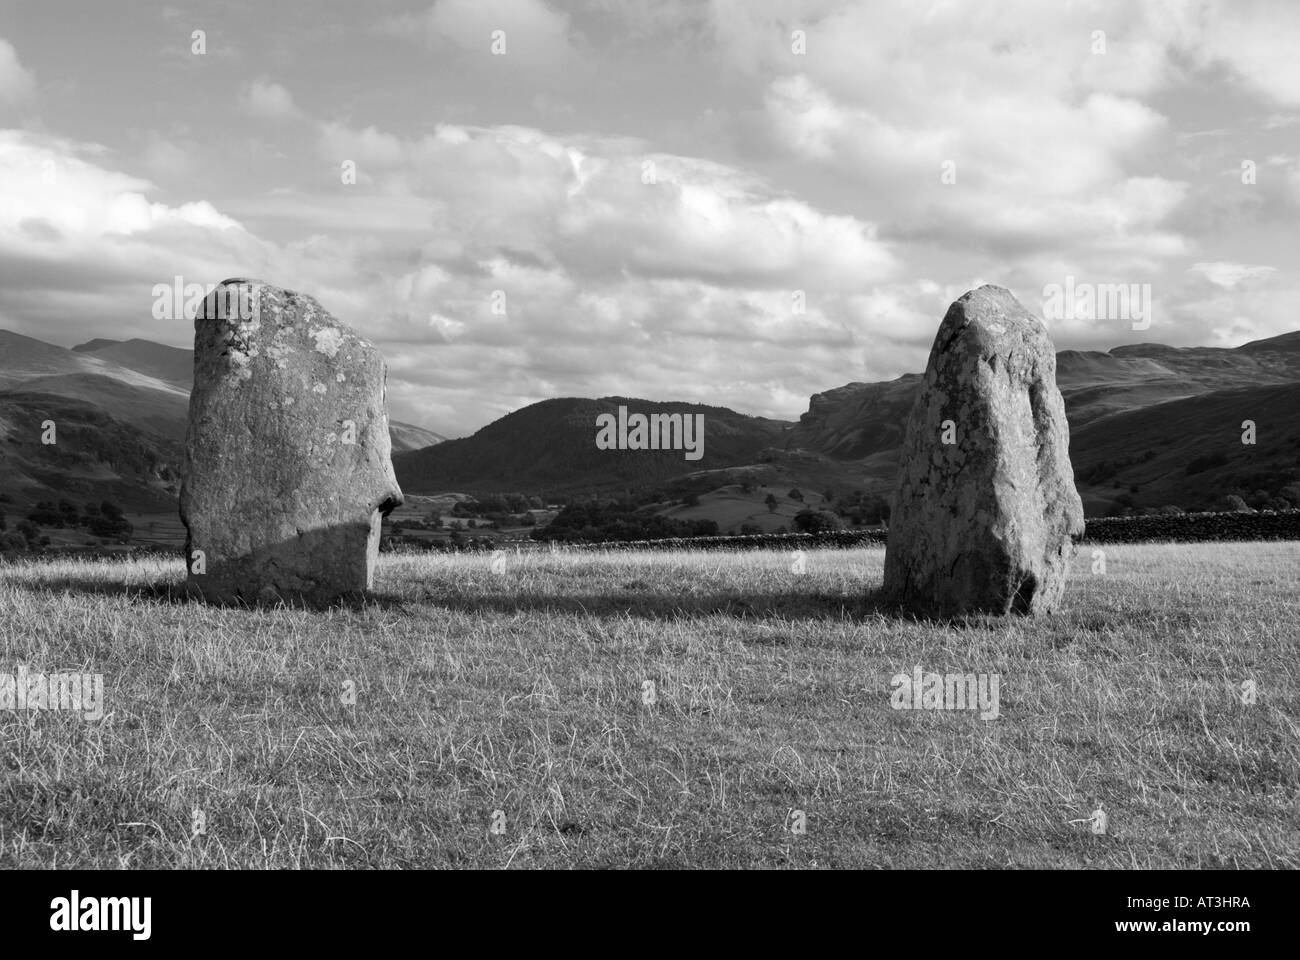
{"points": [[738, 203]]}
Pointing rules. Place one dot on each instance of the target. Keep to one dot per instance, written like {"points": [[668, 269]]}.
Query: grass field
{"points": [[770, 742]]}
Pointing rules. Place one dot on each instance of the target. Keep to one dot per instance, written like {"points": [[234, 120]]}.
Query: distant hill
{"points": [[406, 436], [1189, 452], [856, 420], [161, 411], [24, 358], [171, 364], [1150, 425], [1120, 405], [139, 382], [120, 410], [94, 457], [551, 447]]}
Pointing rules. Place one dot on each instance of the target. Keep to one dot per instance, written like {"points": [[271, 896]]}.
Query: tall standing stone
{"points": [[985, 508], [288, 471]]}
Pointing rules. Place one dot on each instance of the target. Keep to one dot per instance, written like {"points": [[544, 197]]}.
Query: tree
{"points": [[816, 521], [770, 500], [111, 510], [794, 494], [691, 500]]}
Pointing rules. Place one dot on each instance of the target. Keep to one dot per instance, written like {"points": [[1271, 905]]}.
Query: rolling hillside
{"points": [[137, 393], [154, 410], [1139, 416], [169, 364], [1150, 425], [1189, 452], [407, 436], [94, 457], [550, 446]]}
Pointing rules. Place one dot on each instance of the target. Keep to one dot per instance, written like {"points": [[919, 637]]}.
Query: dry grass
{"points": [[522, 692]]}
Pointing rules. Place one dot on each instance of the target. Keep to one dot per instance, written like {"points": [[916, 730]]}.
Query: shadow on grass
{"points": [[813, 605], [177, 592], [158, 591]]}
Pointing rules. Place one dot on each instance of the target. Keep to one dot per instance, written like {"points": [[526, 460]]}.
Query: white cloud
{"points": [[1228, 275], [16, 83], [534, 34], [1257, 41], [583, 203], [268, 101], [46, 179]]}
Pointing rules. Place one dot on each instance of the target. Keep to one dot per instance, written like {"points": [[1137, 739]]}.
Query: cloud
{"points": [[1257, 41], [605, 254], [268, 101], [669, 263], [601, 208], [599, 268], [16, 83], [966, 127], [1229, 275], [81, 243], [533, 34]]}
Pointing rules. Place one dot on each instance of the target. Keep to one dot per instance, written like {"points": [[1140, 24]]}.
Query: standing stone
{"points": [[288, 469], [985, 508]]}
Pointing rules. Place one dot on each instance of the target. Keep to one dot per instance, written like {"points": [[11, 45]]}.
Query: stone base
{"points": [[315, 568]]}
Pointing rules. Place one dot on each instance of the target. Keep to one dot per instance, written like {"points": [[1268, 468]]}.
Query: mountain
{"points": [[1150, 425], [1141, 416], [137, 381], [24, 358], [120, 410], [164, 412], [406, 436], [1098, 384], [94, 456], [856, 420], [1119, 404], [551, 447], [170, 364], [1189, 452]]}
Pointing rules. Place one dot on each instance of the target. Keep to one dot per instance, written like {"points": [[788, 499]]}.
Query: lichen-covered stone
{"points": [[984, 523], [287, 471]]}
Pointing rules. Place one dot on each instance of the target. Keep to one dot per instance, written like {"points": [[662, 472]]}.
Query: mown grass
{"points": [[522, 692]]}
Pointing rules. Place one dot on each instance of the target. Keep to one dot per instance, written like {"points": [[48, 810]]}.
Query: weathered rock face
{"points": [[983, 523], [287, 470]]}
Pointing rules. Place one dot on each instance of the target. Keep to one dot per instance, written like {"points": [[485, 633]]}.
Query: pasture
{"points": [[657, 709]]}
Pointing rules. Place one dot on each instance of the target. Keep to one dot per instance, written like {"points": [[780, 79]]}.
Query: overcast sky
{"points": [[649, 182]]}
